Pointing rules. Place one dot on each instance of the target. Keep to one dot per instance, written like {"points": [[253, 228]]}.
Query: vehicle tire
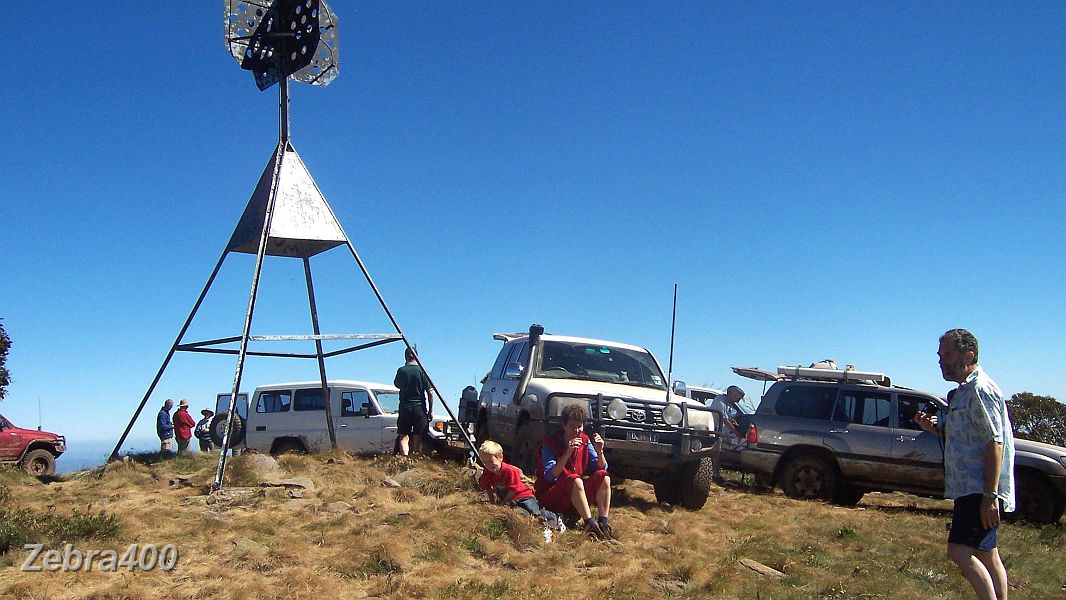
{"points": [[288, 447], [848, 496], [668, 490], [218, 430], [39, 463], [1036, 501], [696, 483], [809, 477], [525, 449]]}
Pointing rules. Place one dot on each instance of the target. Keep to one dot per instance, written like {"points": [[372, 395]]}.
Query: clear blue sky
{"points": [[821, 180]]}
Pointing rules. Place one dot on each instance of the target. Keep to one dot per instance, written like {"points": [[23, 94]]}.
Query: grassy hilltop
{"points": [[352, 536]]}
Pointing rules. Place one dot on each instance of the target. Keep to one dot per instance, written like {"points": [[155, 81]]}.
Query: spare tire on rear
{"points": [[218, 429]]}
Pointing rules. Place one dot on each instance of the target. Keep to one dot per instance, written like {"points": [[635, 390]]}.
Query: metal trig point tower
{"points": [[287, 215]]}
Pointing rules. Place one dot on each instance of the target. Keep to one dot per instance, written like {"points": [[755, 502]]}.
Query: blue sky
{"points": [[820, 180]]}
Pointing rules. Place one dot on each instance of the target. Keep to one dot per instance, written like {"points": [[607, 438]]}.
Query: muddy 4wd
{"points": [[651, 435], [35, 451]]}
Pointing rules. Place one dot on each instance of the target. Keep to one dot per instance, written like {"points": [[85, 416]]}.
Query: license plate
{"points": [[642, 436]]}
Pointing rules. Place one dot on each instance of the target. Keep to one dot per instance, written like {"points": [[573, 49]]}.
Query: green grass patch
{"points": [[496, 529], [471, 588], [471, 544], [20, 526], [379, 562]]}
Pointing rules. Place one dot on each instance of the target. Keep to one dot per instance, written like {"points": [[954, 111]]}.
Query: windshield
{"points": [[598, 362], [389, 401]]}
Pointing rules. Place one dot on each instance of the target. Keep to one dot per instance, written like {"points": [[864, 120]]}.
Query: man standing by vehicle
{"points": [[728, 407], [978, 464], [203, 430], [413, 418], [164, 427]]}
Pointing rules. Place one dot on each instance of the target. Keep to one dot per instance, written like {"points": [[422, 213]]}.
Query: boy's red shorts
{"points": [[557, 497]]}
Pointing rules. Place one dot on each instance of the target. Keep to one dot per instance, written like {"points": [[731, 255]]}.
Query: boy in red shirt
{"points": [[503, 483]]}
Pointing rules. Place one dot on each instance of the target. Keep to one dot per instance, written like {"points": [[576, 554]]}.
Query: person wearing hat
{"points": [[183, 424], [203, 430], [164, 427], [728, 407]]}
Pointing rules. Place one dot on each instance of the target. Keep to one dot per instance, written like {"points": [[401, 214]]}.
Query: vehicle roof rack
{"points": [[844, 375], [506, 337]]}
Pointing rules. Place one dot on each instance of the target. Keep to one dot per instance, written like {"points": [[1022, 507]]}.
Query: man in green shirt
{"points": [[413, 419]]}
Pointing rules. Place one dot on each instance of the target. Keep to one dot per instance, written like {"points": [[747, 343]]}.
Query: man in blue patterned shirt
{"points": [[978, 464]]}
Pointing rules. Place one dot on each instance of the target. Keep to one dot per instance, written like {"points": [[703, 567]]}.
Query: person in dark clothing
{"points": [[164, 427], [414, 416], [203, 430]]}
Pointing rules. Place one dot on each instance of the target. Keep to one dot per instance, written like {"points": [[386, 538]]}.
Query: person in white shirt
{"points": [[978, 464], [728, 408]]}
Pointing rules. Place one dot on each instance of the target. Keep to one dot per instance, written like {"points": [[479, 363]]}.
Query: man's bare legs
{"points": [[983, 570]]}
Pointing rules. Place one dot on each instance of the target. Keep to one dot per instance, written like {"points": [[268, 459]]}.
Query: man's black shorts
{"points": [[966, 528], [412, 421]]}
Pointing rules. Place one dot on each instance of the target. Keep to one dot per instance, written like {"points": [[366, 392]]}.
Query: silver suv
{"points": [[836, 434], [652, 435]]}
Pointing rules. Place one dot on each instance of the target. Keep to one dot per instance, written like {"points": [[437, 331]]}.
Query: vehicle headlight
{"points": [[702, 420], [560, 402], [696, 445], [672, 415], [616, 409]]}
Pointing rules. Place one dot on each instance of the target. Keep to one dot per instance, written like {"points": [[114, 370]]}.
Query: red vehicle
{"points": [[35, 451]]}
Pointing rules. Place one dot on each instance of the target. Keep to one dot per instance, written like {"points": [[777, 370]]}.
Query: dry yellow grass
{"points": [[438, 540]]}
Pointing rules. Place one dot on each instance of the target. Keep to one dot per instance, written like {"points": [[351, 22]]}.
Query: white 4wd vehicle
{"points": [[290, 417], [651, 435]]}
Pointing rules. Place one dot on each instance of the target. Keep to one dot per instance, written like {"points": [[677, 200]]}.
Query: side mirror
{"points": [[513, 371], [680, 388], [365, 410]]}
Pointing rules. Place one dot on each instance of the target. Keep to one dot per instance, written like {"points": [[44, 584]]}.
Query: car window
{"points": [[501, 360], [599, 362], [864, 408], [908, 406], [811, 401], [388, 400], [309, 400], [222, 404], [4, 424], [352, 404], [701, 396], [271, 402], [520, 354]]}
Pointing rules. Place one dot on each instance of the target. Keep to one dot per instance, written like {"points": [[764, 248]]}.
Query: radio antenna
{"points": [[670, 369]]}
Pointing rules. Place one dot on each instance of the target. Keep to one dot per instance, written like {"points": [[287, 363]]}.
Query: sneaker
{"points": [[560, 526], [605, 529], [547, 535], [594, 530]]}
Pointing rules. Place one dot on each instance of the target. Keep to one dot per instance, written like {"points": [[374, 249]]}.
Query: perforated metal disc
{"points": [[278, 38]]}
